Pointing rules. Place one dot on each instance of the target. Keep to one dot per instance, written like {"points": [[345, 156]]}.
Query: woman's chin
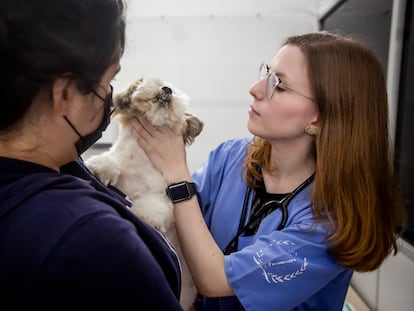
{"points": [[251, 128]]}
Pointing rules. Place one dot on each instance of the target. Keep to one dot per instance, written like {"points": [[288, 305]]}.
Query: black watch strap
{"points": [[181, 191]]}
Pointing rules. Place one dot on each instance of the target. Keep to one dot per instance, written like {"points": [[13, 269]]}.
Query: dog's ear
{"points": [[123, 99], [193, 128]]}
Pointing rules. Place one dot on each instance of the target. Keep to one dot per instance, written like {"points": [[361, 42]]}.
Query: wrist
{"points": [[181, 191], [175, 177]]}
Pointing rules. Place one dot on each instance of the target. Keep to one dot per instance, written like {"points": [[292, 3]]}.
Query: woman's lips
{"points": [[253, 112]]}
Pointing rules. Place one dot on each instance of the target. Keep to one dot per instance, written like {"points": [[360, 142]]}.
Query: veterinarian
{"points": [[281, 221], [66, 240]]}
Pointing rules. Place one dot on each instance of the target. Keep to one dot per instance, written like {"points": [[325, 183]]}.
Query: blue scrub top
{"points": [[282, 270]]}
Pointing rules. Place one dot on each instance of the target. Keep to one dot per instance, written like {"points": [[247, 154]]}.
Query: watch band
{"points": [[181, 191]]}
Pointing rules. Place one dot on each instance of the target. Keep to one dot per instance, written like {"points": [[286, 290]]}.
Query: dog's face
{"points": [[160, 103]]}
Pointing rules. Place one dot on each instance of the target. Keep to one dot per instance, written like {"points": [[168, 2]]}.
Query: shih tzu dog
{"points": [[126, 166]]}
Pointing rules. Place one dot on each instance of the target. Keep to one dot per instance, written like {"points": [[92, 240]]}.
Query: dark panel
{"points": [[405, 122], [368, 20]]}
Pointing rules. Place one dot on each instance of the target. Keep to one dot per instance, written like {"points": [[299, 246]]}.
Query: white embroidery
{"points": [[281, 262], [277, 276]]}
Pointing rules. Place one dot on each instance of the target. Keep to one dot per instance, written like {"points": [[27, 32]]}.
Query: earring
{"points": [[311, 131]]}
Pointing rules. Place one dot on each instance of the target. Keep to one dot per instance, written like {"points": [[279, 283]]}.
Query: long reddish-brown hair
{"points": [[354, 186]]}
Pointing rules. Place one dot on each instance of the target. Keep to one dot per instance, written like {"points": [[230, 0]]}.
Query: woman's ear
{"points": [[315, 124], [313, 128], [60, 95]]}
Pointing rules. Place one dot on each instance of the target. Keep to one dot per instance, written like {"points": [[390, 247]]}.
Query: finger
{"points": [[142, 120], [142, 124], [140, 133], [141, 141], [140, 127]]}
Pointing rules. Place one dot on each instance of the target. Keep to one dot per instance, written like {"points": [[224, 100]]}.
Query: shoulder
{"points": [[58, 206], [230, 151], [235, 145], [69, 201], [227, 154], [225, 157]]}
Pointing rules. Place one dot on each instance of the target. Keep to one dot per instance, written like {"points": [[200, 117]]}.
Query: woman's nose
{"points": [[257, 90]]}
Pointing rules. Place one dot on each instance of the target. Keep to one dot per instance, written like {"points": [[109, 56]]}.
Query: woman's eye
{"points": [[280, 88]]}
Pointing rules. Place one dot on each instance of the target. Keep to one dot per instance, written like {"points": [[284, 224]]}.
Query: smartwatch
{"points": [[181, 191]]}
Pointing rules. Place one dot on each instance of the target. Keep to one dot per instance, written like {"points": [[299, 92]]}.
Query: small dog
{"points": [[126, 166]]}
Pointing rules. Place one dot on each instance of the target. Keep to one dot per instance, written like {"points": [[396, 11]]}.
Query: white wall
{"points": [[211, 50]]}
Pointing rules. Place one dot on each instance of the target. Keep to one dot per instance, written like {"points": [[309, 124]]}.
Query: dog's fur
{"points": [[127, 167]]}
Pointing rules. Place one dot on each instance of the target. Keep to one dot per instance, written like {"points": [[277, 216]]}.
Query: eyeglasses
{"points": [[274, 83], [108, 99]]}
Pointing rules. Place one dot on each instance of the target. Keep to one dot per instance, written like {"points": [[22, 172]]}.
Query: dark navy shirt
{"points": [[66, 240]]}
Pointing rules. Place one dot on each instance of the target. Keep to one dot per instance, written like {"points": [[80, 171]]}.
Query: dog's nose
{"points": [[166, 90], [164, 96]]}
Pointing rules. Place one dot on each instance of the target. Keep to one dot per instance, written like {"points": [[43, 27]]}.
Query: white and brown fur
{"points": [[127, 167]]}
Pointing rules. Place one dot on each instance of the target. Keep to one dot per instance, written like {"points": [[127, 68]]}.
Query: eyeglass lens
{"points": [[272, 80], [271, 85], [263, 71]]}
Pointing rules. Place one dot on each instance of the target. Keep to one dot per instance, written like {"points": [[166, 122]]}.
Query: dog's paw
{"points": [[104, 168]]}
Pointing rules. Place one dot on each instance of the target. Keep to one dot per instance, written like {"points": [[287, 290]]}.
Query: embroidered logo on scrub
{"points": [[279, 272]]}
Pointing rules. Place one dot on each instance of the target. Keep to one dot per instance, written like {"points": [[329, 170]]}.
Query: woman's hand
{"points": [[164, 148]]}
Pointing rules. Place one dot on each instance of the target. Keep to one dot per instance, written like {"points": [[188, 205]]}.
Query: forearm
{"points": [[202, 254], [204, 258]]}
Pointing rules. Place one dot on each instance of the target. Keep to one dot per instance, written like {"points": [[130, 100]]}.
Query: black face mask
{"points": [[88, 140]]}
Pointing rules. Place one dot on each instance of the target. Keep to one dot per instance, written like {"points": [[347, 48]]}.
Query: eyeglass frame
{"points": [[279, 82]]}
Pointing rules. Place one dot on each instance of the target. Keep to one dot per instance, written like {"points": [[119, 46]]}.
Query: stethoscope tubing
{"points": [[231, 247]]}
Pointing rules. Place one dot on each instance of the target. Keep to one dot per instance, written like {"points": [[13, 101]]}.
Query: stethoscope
{"points": [[267, 207]]}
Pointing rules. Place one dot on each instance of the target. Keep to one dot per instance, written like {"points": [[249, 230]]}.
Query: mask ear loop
{"points": [[65, 97], [72, 126]]}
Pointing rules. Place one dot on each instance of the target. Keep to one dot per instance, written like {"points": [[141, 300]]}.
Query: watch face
{"points": [[179, 191]]}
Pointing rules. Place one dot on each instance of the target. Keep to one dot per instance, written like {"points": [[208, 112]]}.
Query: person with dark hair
{"points": [[285, 217], [67, 240]]}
